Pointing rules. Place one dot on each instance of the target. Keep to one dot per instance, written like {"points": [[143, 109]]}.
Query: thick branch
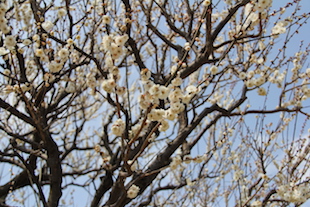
{"points": [[105, 185], [15, 112]]}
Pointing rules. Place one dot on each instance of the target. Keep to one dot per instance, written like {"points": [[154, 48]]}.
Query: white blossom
{"points": [[118, 127], [106, 19], [164, 126], [10, 42], [145, 74], [63, 53], [213, 69], [47, 25], [108, 85], [4, 51], [261, 91], [206, 2], [61, 12], [133, 191]]}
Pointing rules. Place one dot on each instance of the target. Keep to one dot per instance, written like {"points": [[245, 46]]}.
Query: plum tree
{"points": [[154, 103]]}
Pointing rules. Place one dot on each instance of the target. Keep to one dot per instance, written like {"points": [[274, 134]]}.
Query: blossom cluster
{"points": [[176, 99], [23, 13], [280, 27], [17, 88], [171, 94], [294, 193], [187, 159], [262, 5], [4, 28], [114, 46], [118, 127], [55, 63], [176, 161]]}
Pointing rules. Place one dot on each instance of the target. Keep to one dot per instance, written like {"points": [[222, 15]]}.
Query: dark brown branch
{"points": [[4, 105], [231, 13], [105, 185]]}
